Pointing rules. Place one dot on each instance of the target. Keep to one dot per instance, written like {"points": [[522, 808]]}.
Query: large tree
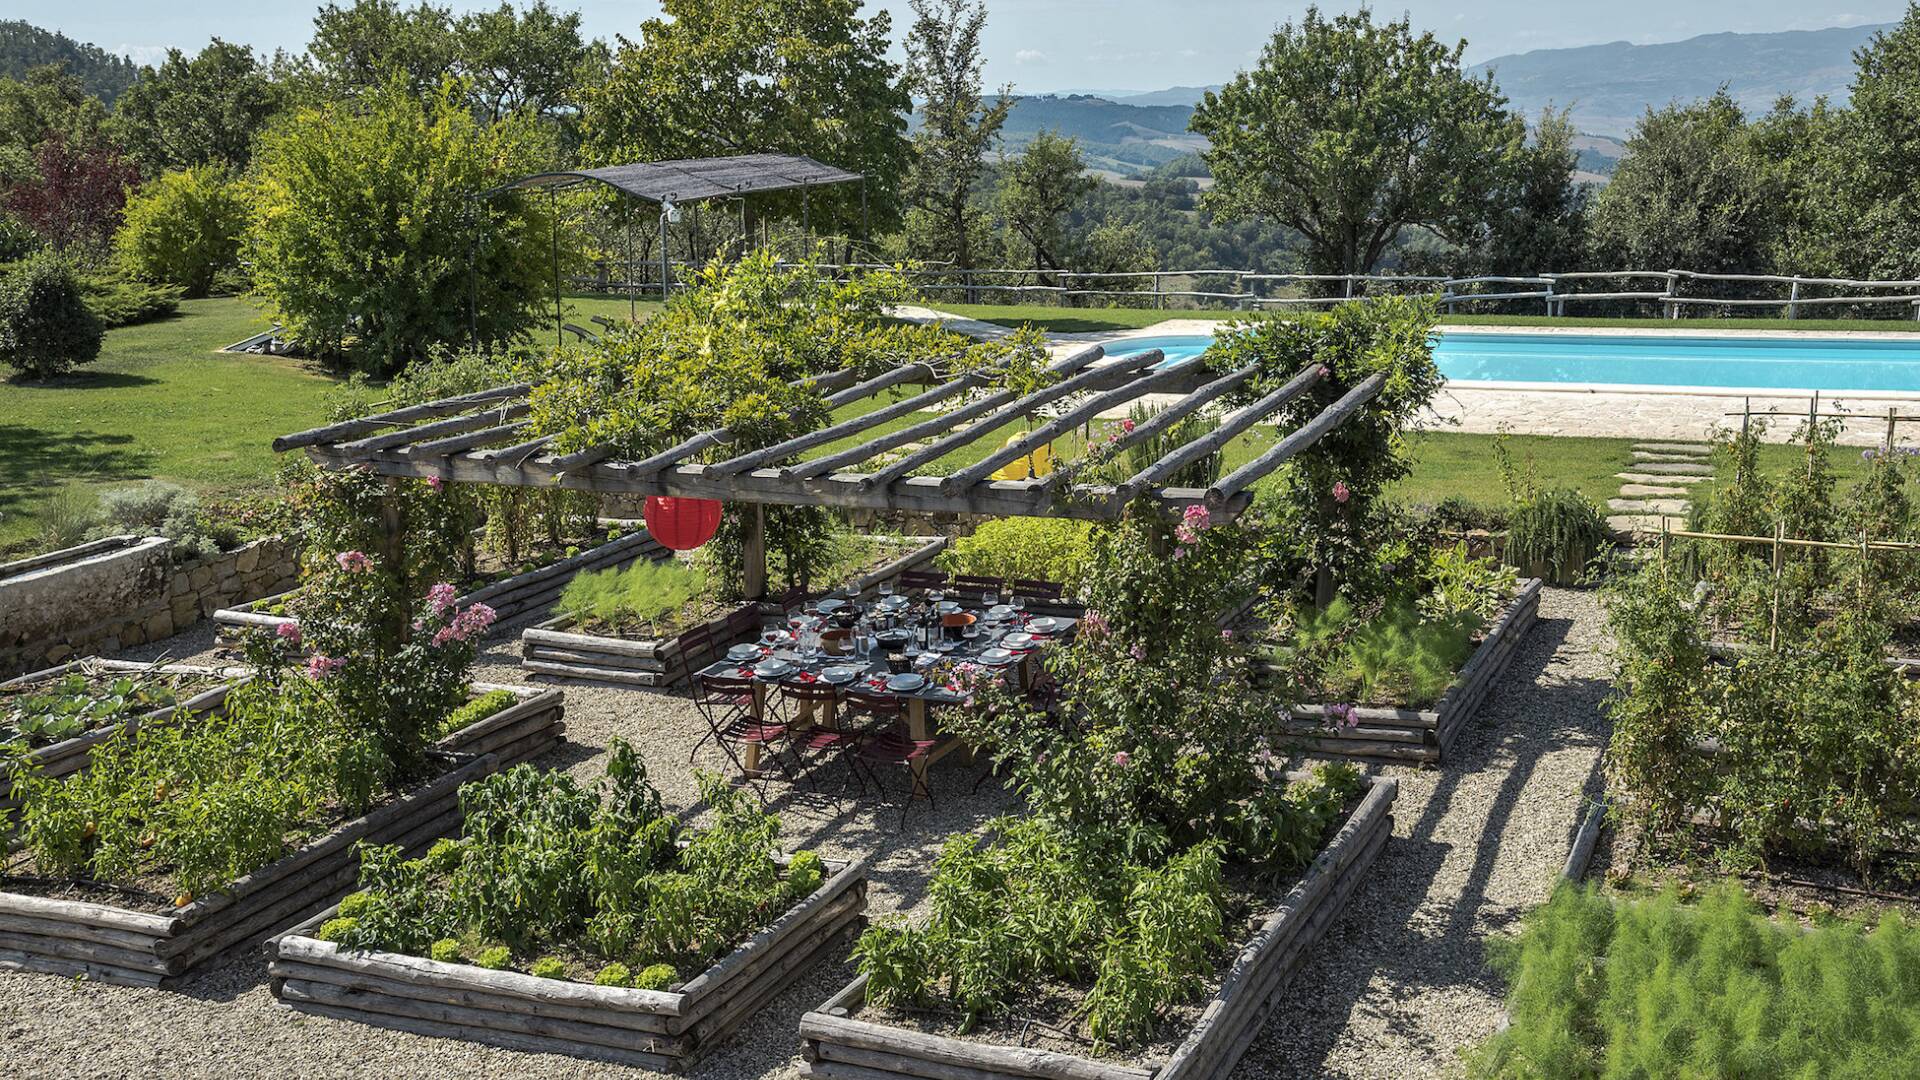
{"points": [[1691, 193], [203, 110], [367, 238], [48, 102], [1351, 132], [1539, 219], [1036, 192], [718, 77], [957, 128], [1886, 101]]}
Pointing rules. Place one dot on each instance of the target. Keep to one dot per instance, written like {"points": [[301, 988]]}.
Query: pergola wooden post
{"points": [[753, 574]]}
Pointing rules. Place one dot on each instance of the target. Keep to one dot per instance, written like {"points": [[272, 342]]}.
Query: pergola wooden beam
{"points": [[353, 429], [1231, 428], [1007, 413], [753, 459], [484, 438], [833, 463], [1309, 433]]}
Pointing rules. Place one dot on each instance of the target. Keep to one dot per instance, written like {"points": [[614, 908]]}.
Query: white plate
{"points": [[906, 682], [1045, 624], [997, 657], [839, 676], [1017, 640], [743, 652], [999, 611], [830, 605], [948, 607], [772, 669]]}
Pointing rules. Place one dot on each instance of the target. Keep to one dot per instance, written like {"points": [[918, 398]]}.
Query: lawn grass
{"points": [[160, 402]]}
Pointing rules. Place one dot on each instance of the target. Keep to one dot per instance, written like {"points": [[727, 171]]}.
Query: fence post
{"points": [[1891, 421], [1156, 290], [1773, 631], [1746, 415], [1671, 300], [1793, 300]]}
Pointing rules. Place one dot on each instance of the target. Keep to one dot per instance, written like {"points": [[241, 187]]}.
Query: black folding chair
{"points": [[885, 740], [726, 704]]}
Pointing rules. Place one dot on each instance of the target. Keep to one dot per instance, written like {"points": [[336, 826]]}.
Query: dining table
{"points": [[951, 671]]}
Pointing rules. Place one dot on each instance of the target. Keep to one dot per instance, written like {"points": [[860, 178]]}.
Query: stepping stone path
{"points": [[1657, 484]]}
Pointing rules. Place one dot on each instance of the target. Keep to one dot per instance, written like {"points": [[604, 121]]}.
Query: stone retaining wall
{"points": [[107, 596]]}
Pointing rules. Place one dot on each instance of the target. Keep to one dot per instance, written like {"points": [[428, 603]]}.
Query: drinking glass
{"points": [[886, 588], [990, 598], [1019, 604]]}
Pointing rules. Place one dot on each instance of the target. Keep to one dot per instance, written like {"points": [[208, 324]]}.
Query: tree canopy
{"points": [[203, 110], [1350, 132], [958, 127]]}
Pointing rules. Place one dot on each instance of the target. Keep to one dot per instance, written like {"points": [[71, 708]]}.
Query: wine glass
{"points": [[886, 588], [990, 597], [1020, 604]]}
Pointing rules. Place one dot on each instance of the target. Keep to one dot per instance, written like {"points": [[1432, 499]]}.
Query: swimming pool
{"points": [[1881, 365]]}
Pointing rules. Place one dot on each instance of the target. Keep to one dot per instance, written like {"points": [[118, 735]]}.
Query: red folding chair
{"points": [[821, 743], [1049, 591], [726, 704], [885, 740], [978, 584], [910, 580]]}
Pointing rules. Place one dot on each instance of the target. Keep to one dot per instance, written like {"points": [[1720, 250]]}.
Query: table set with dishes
{"points": [[925, 648]]}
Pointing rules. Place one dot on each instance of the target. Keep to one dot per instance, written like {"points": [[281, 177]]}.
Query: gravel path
{"points": [[1394, 991]]}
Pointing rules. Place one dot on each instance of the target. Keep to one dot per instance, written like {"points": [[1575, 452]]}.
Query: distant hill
{"points": [[24, 46], [1609, 87], [1173, 95], [1115, 136]]}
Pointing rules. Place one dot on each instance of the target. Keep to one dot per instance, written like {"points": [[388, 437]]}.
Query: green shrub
{"points": [[1557, 530], [805, 871], [475, 711], [444, 855], [654, 977], [46, 327], [17, 239], [614, 974], [447, 951], [158, 508], [120, 301], [66, 517], [498, 958], [355, 904], [337, 930], [1394, 657], [184, 229], [1042, 549], [549, 967], [642, 595], [1655, 988]]}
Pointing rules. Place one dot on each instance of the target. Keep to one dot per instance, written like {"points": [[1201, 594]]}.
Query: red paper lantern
{"points": [[682, 524]]}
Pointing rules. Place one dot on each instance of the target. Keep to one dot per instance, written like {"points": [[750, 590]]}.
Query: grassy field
{"points": [[1061, 320]]}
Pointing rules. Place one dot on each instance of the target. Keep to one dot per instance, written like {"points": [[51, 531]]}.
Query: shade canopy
{"points": [[695, 179]]}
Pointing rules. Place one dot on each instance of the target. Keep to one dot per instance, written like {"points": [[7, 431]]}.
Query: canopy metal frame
{"points": [[670, 185]]}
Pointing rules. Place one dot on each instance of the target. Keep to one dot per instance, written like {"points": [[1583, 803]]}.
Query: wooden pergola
{"points": [[485, 437]]}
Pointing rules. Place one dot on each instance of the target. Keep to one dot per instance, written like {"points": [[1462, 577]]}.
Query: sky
{"points": [[1044, 46]]}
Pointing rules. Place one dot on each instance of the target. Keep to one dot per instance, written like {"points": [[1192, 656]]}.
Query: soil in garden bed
{"points": [[700, 611], [82, 686], [154, 889], [1048, 1014], [1803, 886]]}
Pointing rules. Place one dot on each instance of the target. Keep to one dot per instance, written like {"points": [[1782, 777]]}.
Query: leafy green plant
{"points": [[644, 595], [548, 967], [478, 709], [1553, 532], [1396, 656], [1036, 549], [184, 228], [74, 704], [46, 327], [159, 508], [1656, 987], [66, 516], [1459, 586], [547, 865]]}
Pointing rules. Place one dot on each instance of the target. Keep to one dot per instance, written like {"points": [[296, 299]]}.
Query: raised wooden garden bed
{"points": [[838, 1045], [520, 732], [655, 1029], [557, 649], [509, 598], [113, 944], [72, 755], [1424, 735]]}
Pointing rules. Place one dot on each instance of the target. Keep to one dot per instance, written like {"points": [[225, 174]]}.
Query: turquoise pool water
{"points": [[1772, 363]]}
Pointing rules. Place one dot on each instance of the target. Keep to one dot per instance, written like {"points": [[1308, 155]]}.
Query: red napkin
{"points": [[806, 677], [744, 672]]}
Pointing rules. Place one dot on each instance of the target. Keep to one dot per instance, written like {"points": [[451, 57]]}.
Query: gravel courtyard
{"points": [[1397, 989]]}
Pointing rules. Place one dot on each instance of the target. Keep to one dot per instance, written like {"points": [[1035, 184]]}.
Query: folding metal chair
{"points": [[821, 742], [886, 740], [726, 704], [978, 585], [920, 579]]}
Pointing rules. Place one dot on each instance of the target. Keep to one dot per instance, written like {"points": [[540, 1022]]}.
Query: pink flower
{"points": [[436, 483], [289, 632], [1342, 716], [1122, 759], [1226, 635], [1126, 427], [1137, 653], [319, 666], [1093, 623], [1326, 372], [1179, 553], [466, 626], [1341, 492], [1196, 520], [440, 598], [354, 562]]}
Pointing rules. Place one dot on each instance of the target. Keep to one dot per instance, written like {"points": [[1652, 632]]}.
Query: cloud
{"points": [[142, 54], [1030, 56]]}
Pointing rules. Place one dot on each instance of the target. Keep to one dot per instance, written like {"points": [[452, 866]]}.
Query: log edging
{"points": [[656, 1029], [836, 1045], [127, 947], [1423, 735], [510, 597]]}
